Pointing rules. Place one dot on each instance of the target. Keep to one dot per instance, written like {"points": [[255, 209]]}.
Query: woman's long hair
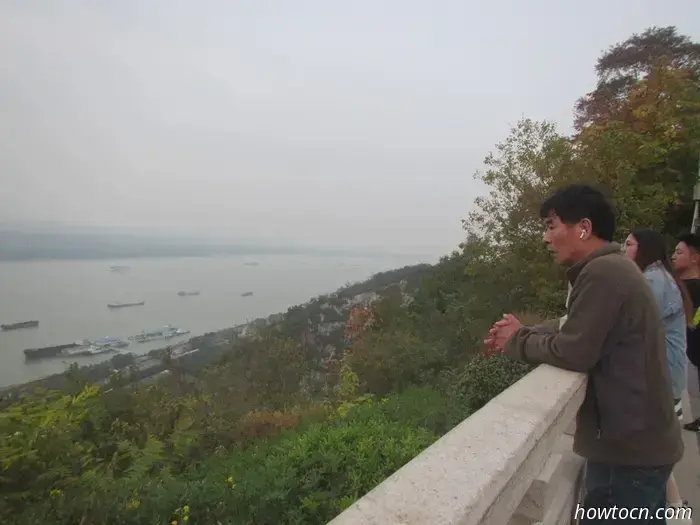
{"points": [[651, 248]]}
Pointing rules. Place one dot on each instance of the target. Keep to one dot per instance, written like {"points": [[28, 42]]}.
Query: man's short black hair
{"points": [[691, 240], [581, 201]]}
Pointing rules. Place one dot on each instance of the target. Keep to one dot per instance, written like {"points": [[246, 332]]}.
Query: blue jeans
{"points": [[610, 486]]}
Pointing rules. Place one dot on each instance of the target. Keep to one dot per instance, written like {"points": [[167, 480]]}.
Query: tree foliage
{"points": [[625, 64]]}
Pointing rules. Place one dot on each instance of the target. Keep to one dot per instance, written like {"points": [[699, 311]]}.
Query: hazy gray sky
{"points": [[319, 122]]}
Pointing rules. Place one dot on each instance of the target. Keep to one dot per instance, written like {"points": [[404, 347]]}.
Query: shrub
{"points": [[483, 378], [305, 478], [395, 359], [419, 407], [312, 476], [48, 444], [257, 425]]}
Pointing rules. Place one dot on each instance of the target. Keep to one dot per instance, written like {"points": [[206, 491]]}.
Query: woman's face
{"points": [[631, 246]]}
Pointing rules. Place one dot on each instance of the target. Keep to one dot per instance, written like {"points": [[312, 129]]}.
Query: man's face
{"points": [[562, 239], [684, 258]]}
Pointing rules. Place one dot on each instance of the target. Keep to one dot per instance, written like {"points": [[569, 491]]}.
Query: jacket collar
{"points": [[573, 272]]}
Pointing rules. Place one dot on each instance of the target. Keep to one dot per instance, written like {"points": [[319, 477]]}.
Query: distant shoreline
{"points": [[22, 246], [122, 257], [194, 254], [149, 362]]}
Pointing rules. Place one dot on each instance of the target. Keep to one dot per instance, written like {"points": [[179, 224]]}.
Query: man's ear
{"points": [[587, 225]]}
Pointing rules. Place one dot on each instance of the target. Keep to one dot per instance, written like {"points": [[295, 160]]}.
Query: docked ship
{"points": [[125, 305], [81, 347], [108, 342], [19, 326], [100, 346], [84, 351], [167, 332], [183, 293]]}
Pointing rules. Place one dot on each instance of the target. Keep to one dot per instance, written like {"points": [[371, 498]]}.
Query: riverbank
{"points": [[194, 353], [319, 323], [76, 307]]}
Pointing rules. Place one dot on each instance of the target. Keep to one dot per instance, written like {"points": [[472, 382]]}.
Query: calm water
{"points": [[69, 298]]}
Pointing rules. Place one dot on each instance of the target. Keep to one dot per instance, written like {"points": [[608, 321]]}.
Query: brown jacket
{"points": [[613, 333]]}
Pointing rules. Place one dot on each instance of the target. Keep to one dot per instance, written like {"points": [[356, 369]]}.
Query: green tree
{"points": [[508, 265], [394, 360]]}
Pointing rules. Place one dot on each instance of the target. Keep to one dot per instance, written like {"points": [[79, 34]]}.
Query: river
{"points": [[69, 298]]}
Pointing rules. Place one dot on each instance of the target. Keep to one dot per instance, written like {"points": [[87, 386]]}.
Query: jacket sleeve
{"points": [[593, 310], [547, 327]]}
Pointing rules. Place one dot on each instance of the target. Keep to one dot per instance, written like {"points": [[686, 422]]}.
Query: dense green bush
{"points": [[396, 359], [305, 477], [484, 377], [419, 407]]}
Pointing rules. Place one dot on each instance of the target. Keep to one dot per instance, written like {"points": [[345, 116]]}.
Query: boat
{"points": [[20, 325], [183, 294], [246, 294], [167, 332], [88, 350], [125, 305], [177, 333], [109, 342], [119, 268], [252, 263], [48, 351], [81, 347]]}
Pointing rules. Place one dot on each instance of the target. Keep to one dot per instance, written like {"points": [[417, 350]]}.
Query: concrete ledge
{"points": [[479, 472]]}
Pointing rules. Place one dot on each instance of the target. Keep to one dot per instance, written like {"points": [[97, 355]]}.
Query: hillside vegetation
{"points": [[291, 428]]}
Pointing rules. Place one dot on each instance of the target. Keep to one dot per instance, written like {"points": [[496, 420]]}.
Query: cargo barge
{"points": [[47, 351], [83, 347], [18, 326], [125, 305]]}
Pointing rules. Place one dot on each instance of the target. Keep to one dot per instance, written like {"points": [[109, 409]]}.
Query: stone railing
{"points": [[508, 463]]}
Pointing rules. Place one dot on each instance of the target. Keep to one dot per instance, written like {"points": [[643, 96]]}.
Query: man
{"points": [[686, 260], [626, 427]]}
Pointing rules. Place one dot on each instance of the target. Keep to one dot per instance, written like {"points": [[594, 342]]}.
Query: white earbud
{"points": [[583, 234]]}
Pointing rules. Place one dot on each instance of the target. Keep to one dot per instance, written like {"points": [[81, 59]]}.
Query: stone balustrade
{"points": [[508, 463]]}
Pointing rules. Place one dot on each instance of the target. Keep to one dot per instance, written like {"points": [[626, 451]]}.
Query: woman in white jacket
{"points": [[648, 249]]}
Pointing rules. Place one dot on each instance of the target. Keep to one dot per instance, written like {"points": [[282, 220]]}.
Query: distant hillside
{"points": [[18, 245], [320, 323]]}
